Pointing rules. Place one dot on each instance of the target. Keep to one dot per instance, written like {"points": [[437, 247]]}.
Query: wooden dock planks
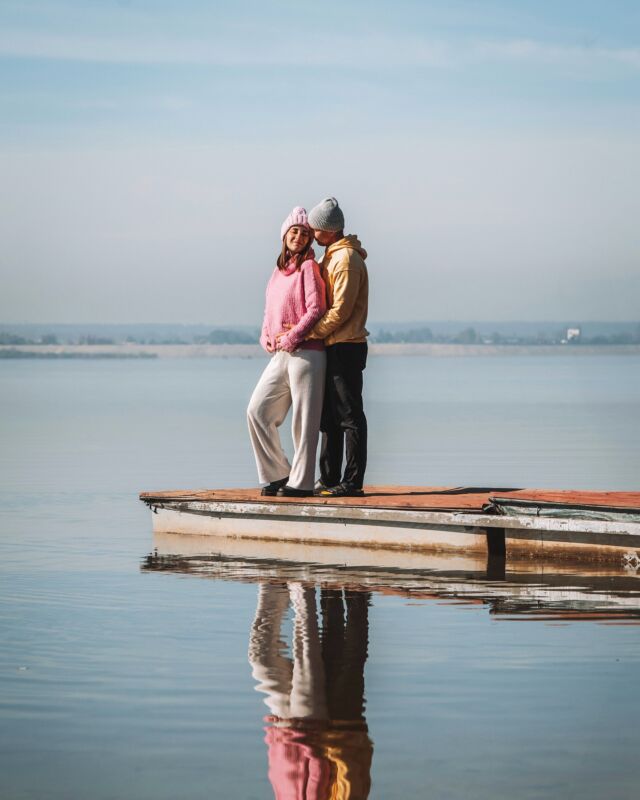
{"points": [[425, 498]]}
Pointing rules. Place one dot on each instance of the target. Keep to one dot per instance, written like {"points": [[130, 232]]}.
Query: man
{"points": [[344, 425]]}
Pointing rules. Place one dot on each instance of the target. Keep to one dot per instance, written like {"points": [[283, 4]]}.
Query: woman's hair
{"points": [[286, 255]]}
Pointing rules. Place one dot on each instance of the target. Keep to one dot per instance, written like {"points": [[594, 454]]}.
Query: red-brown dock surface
{"points": [[425, 498]]}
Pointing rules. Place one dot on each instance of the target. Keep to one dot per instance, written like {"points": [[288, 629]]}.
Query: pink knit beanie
{"points": [[297, 217]]}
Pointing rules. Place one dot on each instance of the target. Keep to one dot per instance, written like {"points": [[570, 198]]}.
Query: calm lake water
{"points": [[127, 674]]}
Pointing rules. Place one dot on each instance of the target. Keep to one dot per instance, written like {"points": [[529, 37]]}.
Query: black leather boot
{"points": [[271, 489], [288, 491]]}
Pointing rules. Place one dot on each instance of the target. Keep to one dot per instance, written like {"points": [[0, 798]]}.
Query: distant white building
{"points": [[573, 333]]}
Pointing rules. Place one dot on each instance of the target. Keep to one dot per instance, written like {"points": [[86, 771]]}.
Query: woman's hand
{"points": [[286, 345], [287, 328]]}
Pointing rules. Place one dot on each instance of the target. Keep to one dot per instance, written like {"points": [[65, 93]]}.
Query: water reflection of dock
{"points": [[316, 734], [539, 524], [552, 590]]}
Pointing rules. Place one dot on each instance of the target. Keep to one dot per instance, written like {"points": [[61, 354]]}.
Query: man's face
{"points": [[324, 237]]}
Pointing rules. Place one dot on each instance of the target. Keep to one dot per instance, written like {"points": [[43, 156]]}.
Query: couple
{"points": [[317, 735], [314, 327]]}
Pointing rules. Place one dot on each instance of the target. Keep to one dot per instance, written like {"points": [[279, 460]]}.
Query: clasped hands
{"points": [[271, 349]]}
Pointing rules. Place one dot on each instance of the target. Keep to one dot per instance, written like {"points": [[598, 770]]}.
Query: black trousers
{"points": [[345, 640], [343, 424]]}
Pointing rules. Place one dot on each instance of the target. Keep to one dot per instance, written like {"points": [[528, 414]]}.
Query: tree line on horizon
{"points": [[419, 335]]}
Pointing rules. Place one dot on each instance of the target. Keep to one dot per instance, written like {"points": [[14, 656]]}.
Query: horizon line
{"points": [[450, 320]]}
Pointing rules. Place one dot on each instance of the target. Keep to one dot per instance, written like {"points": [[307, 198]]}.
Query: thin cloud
{"points": [[257, 50], [541, 52]]}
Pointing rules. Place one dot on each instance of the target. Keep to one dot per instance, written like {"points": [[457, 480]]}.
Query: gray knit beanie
{"points": [[327, 216]]}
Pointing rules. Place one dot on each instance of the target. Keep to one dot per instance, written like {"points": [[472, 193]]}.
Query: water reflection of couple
{"points": [[314, 327], [319, 748]]}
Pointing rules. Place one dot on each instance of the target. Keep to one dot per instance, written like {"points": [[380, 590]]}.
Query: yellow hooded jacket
{"points": [[347, 281]]}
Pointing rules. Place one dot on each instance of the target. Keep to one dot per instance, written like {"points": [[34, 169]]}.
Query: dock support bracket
{"points": [[496, 542]]}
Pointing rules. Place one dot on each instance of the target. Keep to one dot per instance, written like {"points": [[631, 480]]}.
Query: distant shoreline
{"points": [[145, 351]]}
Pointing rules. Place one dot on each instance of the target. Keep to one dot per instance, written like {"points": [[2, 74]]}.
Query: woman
{"points": [[294, 376]]}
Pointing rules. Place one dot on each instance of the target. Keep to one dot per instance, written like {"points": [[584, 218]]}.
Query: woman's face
{"points": [[297, 238]]}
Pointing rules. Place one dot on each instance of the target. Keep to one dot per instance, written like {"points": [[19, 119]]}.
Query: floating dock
{"points": [[514, 523]]}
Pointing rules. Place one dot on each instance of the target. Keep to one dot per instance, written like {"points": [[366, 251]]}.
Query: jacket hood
{"points": [[350, 242]]}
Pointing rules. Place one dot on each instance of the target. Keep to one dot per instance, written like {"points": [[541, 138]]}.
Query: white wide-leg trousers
{"points": [[295, 687], [290, 380]]}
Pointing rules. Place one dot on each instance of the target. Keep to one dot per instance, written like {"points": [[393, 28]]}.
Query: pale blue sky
{"points": [[486, 152]]}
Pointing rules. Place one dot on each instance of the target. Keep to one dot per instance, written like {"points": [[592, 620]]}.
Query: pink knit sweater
{"points": [[295, 302], [297, 769]]}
